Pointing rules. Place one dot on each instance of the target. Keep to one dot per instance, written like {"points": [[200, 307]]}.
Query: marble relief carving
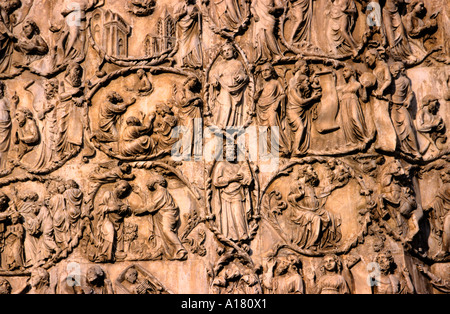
{"points": [[224, 146]]}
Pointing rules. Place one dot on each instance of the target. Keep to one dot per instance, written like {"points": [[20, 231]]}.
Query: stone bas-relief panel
{"points": [[245, 146]]}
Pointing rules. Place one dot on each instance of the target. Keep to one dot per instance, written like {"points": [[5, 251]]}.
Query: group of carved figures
{"points": [[352, 96]]}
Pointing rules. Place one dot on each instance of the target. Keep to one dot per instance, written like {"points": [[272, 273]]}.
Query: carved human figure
{"points": [[190, 103], [5, 125], [163, 125], [39, 283], [7, 38], [109, 114], [27, 135], [112, 173], [441, 284], [312, 225], [74, 202], [47, 244], [265, 40], [417, 29], [271, 107], [397, 198], [430, 125], [141, 7], [187, 15], [302, 96], [14, 236], [379, 90], [332, 278], [69, 112], [352, 117], [139, 284], [135, 138], [28, 208], [439, 210], [397, 39], [388, 282], [32, 45], [231, 201], [110, 227], [5, 214], [229, 14], [58, 208], [401, 98], [164, 217], [144, 86], [97, 282], [46, 152], [229, 81], [284, 276], [300, 12], [342, 18], [71, 38]]}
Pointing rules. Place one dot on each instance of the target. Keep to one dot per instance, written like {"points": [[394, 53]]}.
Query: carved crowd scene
{"points": [[224, 147]]}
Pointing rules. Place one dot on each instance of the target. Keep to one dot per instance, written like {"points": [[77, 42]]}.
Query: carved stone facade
{"points": [[235, 146]]}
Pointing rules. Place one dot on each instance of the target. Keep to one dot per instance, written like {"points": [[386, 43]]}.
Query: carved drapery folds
{"points": [[246, 146]]}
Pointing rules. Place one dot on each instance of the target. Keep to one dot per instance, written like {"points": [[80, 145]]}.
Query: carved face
{"points": [[228, 52], [93, 274], [123, 190], [329, 263], [21, 118], [28, 30], [370, 59], [131, 276], [347, 73], [384, 262], [266, 72], [445, 176], [75, 76], [50, 90]]}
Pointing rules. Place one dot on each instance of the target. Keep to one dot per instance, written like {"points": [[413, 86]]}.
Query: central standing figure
{"points": [[229, 83]]}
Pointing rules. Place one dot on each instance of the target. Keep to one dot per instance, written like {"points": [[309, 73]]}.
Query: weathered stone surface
{"points": [[236, 146]]}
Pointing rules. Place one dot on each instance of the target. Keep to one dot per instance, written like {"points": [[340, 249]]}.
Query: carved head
{"points": [[370, 57], [5, 287], [131, 275], [445, 175], [122, 189], [22, 114], [12, 5], [267, 71], [51, 89], [432, 103], [348, 72], [156, 179], [331, 263], [95, 275], [385, 261], [302, 67], [30, 29], [133, 121], [192, 84], [74, 74], [114, 98], [39, 278], [72, 184], [397, 68], [417, 7], [228, 51], [309, 175]]}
